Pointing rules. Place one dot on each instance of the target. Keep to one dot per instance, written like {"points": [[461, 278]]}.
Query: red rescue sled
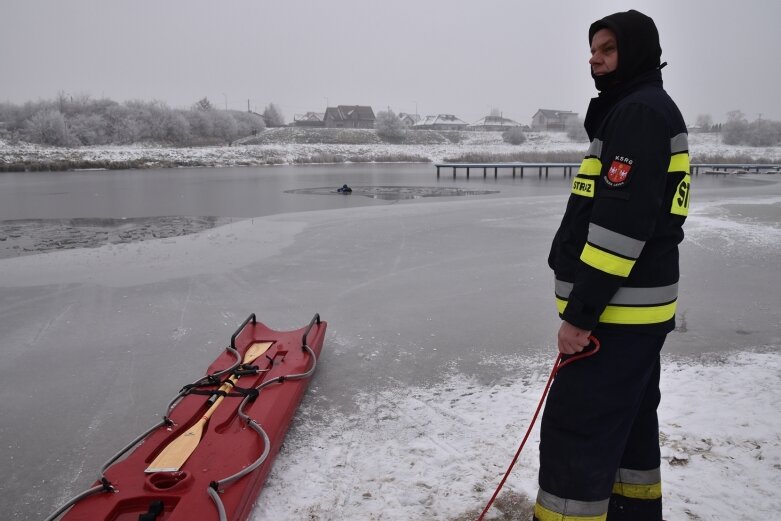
{"points": [[209, 456]]}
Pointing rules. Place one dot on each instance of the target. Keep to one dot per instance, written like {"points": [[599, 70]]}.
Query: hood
{"points": [[638, 47]]}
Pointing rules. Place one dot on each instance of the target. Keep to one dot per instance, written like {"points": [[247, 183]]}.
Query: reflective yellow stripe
{"points": [[606, 262], [543, 514], [583, 186], [638, 491], [680, 203], [631, 315], [590, 166], [679, 163], [638, 315]]}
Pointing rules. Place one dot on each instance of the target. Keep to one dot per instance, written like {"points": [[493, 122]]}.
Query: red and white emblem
{"points": [[618, 173]]}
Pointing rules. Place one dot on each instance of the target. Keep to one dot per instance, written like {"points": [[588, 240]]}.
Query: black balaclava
{"points": [[638, 47]]}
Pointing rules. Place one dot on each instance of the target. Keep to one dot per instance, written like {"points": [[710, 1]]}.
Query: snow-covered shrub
{"points": [[514, 136], [47, 128], [273, 116], [759, 133], [390, 127]]}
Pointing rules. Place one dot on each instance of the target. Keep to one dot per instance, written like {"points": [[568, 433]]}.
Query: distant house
{"points": [[494, 123], [310, 119], [408, 119], [349, 116], [545, 119], [440, 122]]}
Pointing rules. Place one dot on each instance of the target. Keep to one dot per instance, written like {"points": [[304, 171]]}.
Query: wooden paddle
{"points": [[176, 453]]}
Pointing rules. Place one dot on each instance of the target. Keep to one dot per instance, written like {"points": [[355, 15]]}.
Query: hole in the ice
{"points": [[394, 192]]}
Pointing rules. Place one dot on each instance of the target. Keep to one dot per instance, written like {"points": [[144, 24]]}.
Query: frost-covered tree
{"points": [[735, 129], [203, 105], [224, 125], [88, 129], [389, 126], [122, 128], [201, 122], [705, 122], [177, 128], [47, 127], [760, 133], [763, 133], [576, 131], [248, 123], [273, 116], [514, 136]]}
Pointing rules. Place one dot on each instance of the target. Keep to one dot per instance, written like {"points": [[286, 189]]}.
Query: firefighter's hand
{"points": [[572, 339]]}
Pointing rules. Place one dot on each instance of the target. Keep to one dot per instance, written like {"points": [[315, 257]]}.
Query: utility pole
{"points": [[226, 100]]}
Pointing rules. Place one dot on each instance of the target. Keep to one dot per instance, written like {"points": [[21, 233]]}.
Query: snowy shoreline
{"points": [[439, 452], [25, 156]]}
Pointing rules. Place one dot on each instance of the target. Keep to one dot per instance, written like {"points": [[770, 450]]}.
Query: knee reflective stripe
{"points": [[606, 261], [614, 242], [590, 166], [554, 508], [543, 514], [638, 484]]}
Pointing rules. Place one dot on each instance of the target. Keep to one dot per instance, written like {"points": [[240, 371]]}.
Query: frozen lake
{"points": [[441, 320]]}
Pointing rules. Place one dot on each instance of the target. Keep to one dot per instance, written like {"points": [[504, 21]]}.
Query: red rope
{"points": [[558, 364]]}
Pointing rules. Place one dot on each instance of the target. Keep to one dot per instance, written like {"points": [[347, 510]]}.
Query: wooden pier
{"points": [[517, 168], [568, 168]]}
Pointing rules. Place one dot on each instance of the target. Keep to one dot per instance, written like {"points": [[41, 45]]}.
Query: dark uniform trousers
{"points": [[600, 434]]}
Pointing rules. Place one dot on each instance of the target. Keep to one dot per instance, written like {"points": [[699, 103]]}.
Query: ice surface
{"points": [[441, 329]]}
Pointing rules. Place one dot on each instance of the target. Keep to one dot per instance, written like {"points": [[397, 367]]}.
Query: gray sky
{"points": [[443, 56]]}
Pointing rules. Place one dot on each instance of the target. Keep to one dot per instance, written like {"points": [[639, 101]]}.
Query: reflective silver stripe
{"points": [[639, 477], [563, 289], [614, 242], [571, 506], [629, 296], [679, 143], [595, 148], [645, 296]]}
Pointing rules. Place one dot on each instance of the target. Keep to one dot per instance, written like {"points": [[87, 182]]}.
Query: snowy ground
{"points": [[438, 346], [438, 452], [474, 142]]}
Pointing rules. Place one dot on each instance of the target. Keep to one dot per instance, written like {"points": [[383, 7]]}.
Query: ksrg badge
{"points": [[618, 173]]}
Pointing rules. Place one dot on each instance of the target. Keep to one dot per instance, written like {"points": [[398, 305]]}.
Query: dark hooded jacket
{"points": [[615, 255]]}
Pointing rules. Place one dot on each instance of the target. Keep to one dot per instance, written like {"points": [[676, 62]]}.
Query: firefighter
{"points": [[615, 260]]}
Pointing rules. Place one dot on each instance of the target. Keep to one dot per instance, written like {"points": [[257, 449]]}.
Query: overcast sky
{"points": [[434, 56]]}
